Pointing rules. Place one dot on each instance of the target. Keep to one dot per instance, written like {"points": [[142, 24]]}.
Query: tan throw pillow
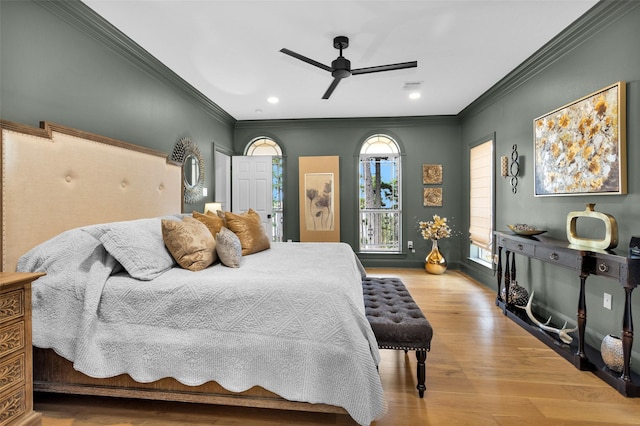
{"points": [[229, 248], [248, 227], [211, 221], [190, 243]]}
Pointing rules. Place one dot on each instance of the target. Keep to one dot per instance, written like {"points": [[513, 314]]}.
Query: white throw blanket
{"points": [[290, 319]]}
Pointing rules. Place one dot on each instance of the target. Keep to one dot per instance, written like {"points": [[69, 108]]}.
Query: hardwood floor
{"points": [[483, 369]]}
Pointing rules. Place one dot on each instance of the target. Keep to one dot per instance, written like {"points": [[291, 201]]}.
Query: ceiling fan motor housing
{"points": [[341, 67]]}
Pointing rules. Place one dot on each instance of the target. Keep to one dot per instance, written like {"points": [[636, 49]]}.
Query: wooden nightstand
{"points": [[16, 371]]}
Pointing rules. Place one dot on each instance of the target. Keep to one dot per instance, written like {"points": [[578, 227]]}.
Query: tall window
{"points": [[481, 202], [380, 206], [267, 146]]}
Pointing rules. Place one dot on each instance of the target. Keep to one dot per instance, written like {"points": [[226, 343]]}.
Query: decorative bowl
{"points": [[521, 229]]}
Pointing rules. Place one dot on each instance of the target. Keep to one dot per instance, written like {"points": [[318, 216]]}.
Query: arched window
{"points": [[380, 206], [267, 146], [264, 146]]}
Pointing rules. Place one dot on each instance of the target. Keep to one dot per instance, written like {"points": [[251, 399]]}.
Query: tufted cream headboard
{"points": [[57, 178]]}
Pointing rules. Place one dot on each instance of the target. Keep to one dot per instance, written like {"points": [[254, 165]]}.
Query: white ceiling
{"points": [[230, 49]]}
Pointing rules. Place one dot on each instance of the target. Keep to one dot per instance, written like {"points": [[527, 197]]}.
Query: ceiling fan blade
{"points": [[305, 59], [331, 88], [390, 67]]}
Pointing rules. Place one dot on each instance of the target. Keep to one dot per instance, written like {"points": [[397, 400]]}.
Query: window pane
{"points": [[276, 185], [379, 191], [379, 231], [264, 146], [379, 183], [379, 144]]}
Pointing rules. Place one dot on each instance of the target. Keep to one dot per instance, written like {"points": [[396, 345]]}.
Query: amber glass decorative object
{"points": [[435, 263], [610, 239]]}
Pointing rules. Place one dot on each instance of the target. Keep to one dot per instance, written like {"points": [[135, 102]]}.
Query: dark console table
{"points": [[585, 262]]}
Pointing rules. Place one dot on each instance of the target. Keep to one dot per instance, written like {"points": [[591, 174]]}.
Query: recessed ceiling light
{"points": [[272, 100], [414, 95]]}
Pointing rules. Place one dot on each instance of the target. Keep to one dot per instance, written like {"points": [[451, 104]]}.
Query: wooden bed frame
{"points": [[56, 178]]}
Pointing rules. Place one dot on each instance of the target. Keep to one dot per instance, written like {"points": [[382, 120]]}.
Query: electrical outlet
{"points": [[607, 301], [410, 245], [204, 192]]}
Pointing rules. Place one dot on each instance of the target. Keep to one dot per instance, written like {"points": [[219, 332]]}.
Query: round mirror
{"points": [[187, 153], [191, 171]]}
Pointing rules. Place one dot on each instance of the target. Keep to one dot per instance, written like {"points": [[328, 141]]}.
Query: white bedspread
{"points": [[290, 319]]}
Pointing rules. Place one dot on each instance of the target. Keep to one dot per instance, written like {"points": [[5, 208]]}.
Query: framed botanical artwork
{"points": [[432, 197], [432, 174], [319, 190], [319, 198], [580, 148]]}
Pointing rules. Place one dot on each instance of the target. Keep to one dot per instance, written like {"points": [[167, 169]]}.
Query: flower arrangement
{"points": [[435, 229]]}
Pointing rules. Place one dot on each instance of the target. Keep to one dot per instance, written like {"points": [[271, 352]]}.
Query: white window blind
{"points": [[481, 204]]}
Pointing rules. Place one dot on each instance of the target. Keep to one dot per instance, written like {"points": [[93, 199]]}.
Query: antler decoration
{"points": [[562, 333]]}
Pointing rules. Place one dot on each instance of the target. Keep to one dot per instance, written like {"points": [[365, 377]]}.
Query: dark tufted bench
{"points": [[396, 320]]}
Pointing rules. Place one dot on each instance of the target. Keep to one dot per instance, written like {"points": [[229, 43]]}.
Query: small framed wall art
{"points": [[432, 174], [432, 197]]}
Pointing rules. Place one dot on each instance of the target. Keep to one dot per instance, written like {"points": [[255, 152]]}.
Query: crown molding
{"points": [[83, 18], [599, 17], [379, 122]]}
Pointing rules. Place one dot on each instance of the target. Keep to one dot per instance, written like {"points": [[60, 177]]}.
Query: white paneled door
{"points": [[251, 181]]}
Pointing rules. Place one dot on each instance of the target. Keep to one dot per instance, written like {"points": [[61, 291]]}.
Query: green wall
{"points": [[421, 139], [606, 53], [60, 62]]}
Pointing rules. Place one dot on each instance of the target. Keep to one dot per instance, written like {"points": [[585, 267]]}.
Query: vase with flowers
{"points": [[434, 230]]}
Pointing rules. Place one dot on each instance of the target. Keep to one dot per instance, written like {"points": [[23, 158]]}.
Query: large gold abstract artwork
{"points": [[580, 148]]}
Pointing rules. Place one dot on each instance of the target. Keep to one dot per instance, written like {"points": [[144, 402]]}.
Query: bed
{"points": [[285, 330]]}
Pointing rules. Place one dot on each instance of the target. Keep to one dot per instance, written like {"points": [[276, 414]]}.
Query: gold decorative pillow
{"points": [[211, 221], [248, 227], [190, 243]]}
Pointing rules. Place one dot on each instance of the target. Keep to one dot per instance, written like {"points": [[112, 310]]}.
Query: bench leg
{"points": [[421, 355]]}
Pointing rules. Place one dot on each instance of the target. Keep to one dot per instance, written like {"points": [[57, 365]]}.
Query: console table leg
{"points": [[582, 318], [507, 282], [627, 335], [499, 277]]}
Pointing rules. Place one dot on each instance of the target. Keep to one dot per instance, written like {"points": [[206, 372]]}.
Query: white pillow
{"points": [[229, 248], [137, 245]]}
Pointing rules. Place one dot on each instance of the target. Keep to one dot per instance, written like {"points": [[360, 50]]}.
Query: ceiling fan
{"points": [[341, 67]]}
